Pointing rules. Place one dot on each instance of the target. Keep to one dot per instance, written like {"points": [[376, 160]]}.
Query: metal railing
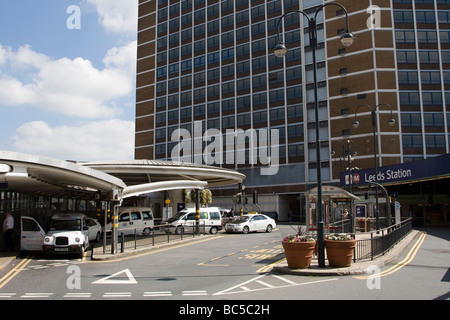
{"points": [[378, 242], [129, 238]]}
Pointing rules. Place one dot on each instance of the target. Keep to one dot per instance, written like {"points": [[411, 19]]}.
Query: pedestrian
{"points": [[8, 226], [345, 216]]}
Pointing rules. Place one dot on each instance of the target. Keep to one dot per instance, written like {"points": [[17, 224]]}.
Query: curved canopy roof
{"points": [[29, 173], [135, 172]]}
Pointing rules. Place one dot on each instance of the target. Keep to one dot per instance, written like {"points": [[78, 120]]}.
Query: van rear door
{"points": [[31, 234]]}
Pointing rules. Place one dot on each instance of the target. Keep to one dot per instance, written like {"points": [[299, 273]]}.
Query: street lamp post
{"points": [[391, 122], [280, 51]]}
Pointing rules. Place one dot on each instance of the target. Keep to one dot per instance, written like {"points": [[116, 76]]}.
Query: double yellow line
{"points": [[11, 274], [409, 257]]}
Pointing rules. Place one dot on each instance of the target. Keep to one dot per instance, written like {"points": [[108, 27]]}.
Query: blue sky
{"points": [[68, 93]]}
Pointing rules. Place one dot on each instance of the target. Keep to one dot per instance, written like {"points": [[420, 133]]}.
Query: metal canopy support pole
{"points": [[197, 211]]}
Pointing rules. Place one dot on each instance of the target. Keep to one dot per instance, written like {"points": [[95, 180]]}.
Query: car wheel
{"points": [[245, 230], [179, 230], [269, 228], [213, 230], [146, 231]]}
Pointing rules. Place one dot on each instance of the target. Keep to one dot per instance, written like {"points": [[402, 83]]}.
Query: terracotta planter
{"points": [[340, 253], [299, 254]]}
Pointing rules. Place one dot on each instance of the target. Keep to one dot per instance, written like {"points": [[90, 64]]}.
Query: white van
{"points": [[134, 220], [185, 221]]}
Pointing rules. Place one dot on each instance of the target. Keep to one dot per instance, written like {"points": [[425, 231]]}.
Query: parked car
{"points": [[251, 223], [95, 230]]}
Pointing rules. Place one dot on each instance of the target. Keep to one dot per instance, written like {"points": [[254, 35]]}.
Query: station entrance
{"points": [[337, 208]]}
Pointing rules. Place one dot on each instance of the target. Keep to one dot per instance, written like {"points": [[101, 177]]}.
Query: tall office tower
{"points": [[210, 90], [422, 41]]}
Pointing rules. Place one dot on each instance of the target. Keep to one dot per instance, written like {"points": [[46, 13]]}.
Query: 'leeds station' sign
{"points": [[424, 169]]}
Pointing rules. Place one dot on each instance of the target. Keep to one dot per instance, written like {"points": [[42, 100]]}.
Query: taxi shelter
{"points": [[337, 202], [38, 186]]}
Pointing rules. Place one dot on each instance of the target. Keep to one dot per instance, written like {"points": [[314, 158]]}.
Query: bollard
{"points": [[122, 242]]}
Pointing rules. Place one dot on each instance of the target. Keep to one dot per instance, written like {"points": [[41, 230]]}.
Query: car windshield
{"points": [[65, 225], [176, 217], [241, 220]]}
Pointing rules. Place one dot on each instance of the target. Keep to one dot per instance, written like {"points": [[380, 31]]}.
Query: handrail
{"points": [[384, 240]]}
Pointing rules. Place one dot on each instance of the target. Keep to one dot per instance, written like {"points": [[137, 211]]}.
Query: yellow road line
{"points": [[269, 266], [11, 274], [409, 257]]}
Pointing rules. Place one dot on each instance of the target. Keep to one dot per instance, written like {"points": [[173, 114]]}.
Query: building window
{"points": [[213, 57], [435, 141], [408, 77], [430, 77], [425, 17], [409, 99], [427, 36], [426, 57], [412, 141], [432, 98], [433, 119], [403, 16], [411, 120], [406, 56], [404, 36]]}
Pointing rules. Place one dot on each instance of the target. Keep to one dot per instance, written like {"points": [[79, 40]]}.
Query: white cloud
{"points": [[117, 16], [70, 87], [100, 140]]}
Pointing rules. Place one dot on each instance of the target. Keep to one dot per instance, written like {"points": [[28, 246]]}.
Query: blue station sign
{"points": [[436, 167]]}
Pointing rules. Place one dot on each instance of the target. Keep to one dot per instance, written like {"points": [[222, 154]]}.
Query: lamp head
{"points": [[391, 122], [280, 50], [347, 39], [355, 124]]}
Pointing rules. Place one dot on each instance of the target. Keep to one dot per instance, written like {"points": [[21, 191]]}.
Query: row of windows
{"points": [[429, 98], [225, 56], [213, 92], [429, 119], [295, 131], [425, 56], [260, 116], [256, 46], [295, 151], [422, 1], [225, 6], [423, 36], [241, 84], [427, 77], [422, 16], [432, 141]]}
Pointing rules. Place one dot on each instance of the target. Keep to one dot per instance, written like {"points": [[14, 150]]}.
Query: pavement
{"points": [[357, 268]]}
